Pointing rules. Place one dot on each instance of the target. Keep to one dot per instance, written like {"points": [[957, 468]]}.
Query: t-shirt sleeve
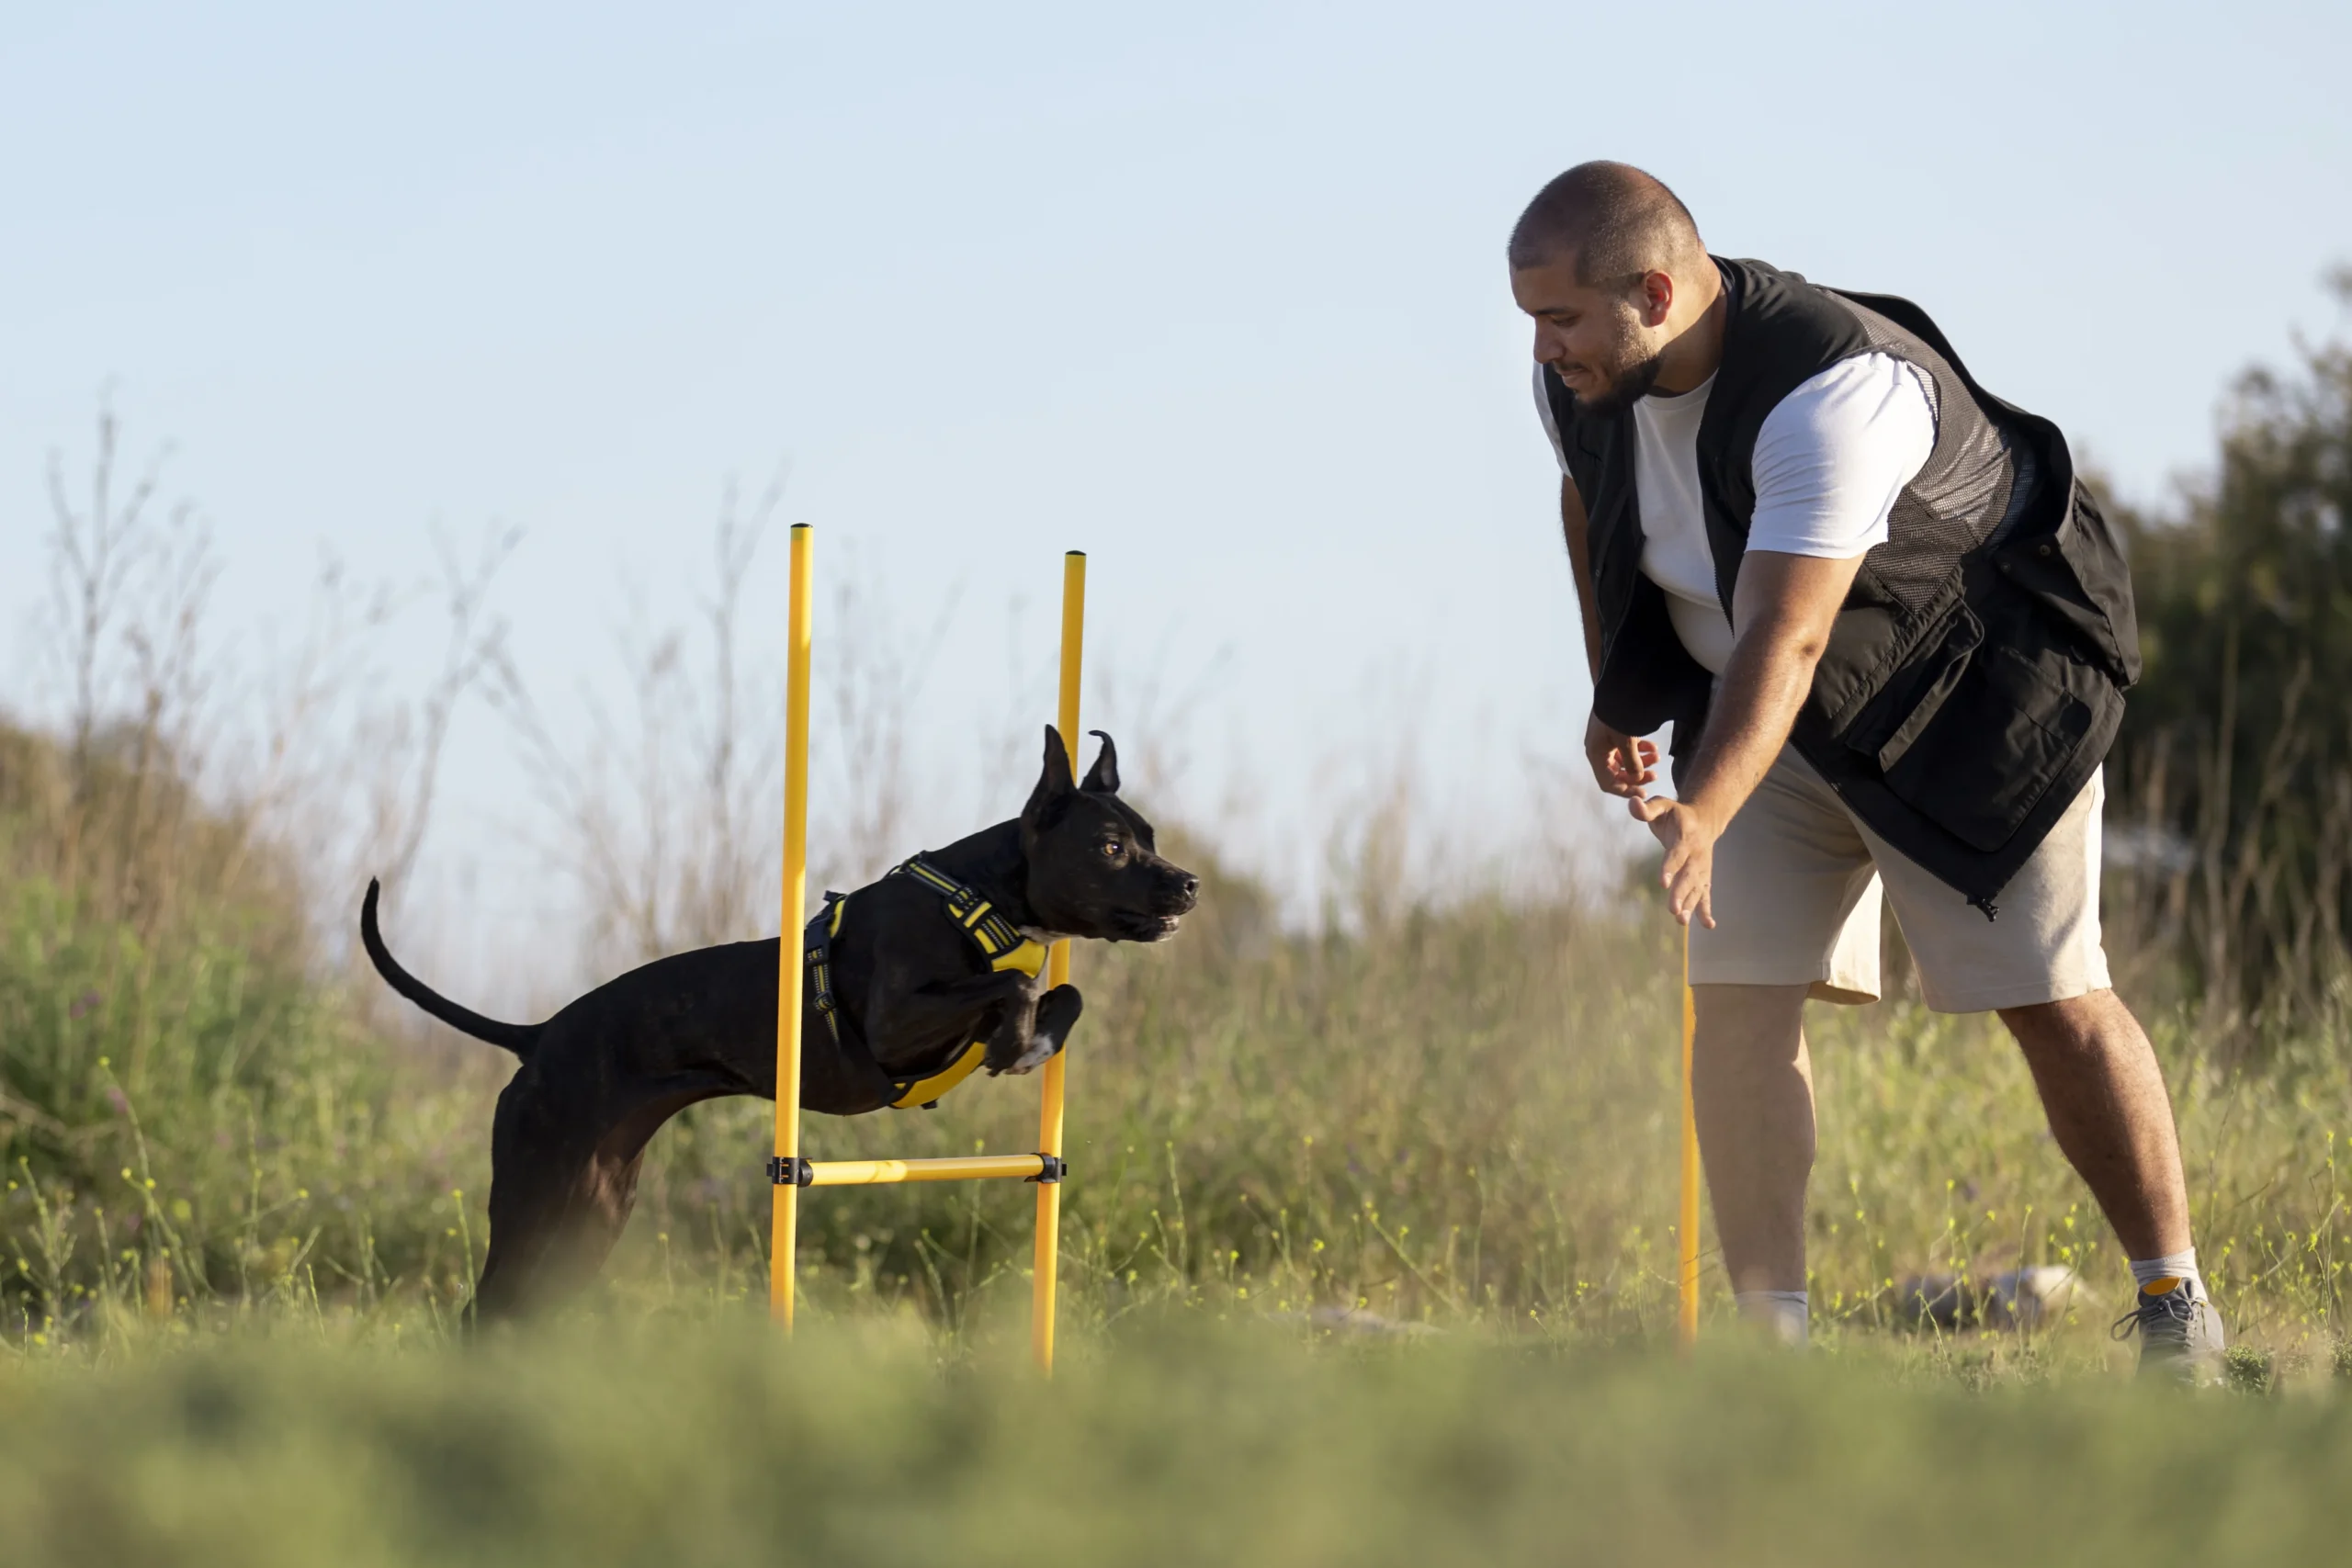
{"points": [[1551, 425], [1834, 455]]}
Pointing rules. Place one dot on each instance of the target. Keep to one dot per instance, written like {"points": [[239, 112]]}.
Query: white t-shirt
{"points": [[1830, 461]]}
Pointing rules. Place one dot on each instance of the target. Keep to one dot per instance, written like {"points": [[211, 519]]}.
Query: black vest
{"points": [[1974, 676]]}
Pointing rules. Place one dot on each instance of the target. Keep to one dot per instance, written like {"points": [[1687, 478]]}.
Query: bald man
{"points": [[1891, 633]]}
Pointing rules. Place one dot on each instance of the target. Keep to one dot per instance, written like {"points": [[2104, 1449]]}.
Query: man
{"points": [[1892, 634]]}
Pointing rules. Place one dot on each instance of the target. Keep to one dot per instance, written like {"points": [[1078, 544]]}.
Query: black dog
{"points": [[912, 982]]}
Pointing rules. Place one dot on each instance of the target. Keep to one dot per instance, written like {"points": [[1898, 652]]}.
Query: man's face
{"points": [[1602, 341]]}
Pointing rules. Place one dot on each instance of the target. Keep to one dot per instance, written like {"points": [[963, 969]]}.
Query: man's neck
{"points": [[1694, 354]]}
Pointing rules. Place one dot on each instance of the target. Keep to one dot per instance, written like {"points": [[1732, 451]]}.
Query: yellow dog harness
{"points": [[999, 940]]}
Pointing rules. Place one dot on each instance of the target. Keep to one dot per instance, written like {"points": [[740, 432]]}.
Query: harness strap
{"points": [[819, 958], [926, 1091], [1000, 942]]}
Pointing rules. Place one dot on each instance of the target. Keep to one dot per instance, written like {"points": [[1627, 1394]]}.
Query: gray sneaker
{"points": [[2180, 1333]]}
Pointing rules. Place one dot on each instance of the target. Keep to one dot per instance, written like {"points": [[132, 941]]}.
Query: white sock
{"points": [[1784, 1313], [2171, 1266]]}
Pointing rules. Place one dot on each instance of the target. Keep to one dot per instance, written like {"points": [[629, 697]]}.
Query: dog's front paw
{"points": [[1048, 1032], [1057, 1012], [1041, 1050]]}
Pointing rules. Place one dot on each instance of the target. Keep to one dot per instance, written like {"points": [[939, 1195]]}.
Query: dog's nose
{"points": [[1192, 886]]}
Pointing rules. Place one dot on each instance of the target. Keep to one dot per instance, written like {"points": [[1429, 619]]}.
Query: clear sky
{"points": [[1215, 292]]}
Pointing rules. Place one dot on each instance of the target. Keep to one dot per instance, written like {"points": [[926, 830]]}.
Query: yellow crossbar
{"points": [[967, 1168]]}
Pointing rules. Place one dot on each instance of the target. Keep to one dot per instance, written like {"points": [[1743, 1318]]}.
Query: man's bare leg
{"points": [[2112, 1117], [2110, 1112], [1752, 1085]]}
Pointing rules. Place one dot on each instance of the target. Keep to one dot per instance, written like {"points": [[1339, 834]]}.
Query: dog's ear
{"points": [[1103, 778], [1054, 783]]}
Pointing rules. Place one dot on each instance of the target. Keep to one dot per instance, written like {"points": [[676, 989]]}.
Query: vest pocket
{"points": [[1894, 719], [2003, 729]]}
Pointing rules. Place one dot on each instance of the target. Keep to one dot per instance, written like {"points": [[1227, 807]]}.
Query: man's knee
{"points": [[2071, 1020], [1743, 1019]]}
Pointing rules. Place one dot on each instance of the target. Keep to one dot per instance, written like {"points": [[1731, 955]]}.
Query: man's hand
{"points": [[1621, 765], [1625, 766], [1781, 611], [1689, 835]]}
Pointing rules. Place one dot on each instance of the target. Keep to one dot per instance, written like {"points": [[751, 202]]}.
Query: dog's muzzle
{"points": [[1177, 898]]}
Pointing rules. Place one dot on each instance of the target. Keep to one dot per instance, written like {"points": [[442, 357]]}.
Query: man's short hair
{"points": [[1618, 221]]}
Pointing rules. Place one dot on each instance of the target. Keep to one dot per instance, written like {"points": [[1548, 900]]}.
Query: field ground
{"points": [[705, 1439]]}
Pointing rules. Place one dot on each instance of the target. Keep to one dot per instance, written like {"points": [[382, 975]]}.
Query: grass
{"points": [[176, 1105], [625, 1442]]}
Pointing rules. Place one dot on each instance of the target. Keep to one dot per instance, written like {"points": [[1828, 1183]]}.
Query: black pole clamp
{"points": [[790, 1170], [1056, 1168]]}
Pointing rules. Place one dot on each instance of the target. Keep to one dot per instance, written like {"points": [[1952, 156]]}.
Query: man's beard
{"points": [[1631, 385]]}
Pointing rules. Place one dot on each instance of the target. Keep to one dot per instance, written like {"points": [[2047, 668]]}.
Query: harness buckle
{"points": [[790, 1170], [1056, 1168]]}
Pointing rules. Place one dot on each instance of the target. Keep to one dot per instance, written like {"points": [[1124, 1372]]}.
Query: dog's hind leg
{"points": [[559, 1199], [538, 1157]]}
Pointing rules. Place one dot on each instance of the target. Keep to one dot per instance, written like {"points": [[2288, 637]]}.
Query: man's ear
{"points": [[1103, 778], [1053, 783], [1657, 298]]}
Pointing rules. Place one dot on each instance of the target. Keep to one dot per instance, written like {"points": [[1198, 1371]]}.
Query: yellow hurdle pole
{"points": [[963, 1168], [1686, 1320], [1049, 1117], [783, 1243]]}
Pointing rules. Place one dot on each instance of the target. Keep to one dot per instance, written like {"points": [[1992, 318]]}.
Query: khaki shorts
{"points": [[1796, 902]]}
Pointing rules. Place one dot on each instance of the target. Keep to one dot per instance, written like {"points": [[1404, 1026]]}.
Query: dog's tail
{"points": [[519, 1038]]}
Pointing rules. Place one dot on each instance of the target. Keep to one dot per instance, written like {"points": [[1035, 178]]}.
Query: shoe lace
{"points": [[2167, 1317]]}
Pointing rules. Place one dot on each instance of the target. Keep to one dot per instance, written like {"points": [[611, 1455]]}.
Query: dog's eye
{"points": [[1111, 848]]}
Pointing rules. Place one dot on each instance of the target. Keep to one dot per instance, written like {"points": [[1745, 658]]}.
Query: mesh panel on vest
{"points": [[1960, 496]]}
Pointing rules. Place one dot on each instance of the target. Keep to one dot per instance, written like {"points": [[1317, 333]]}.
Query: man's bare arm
{"points": [[1621, 765], [1576, 529], [1781, 612]]}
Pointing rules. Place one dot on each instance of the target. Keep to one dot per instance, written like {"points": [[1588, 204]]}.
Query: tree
{"points": [[2234, 767]]}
